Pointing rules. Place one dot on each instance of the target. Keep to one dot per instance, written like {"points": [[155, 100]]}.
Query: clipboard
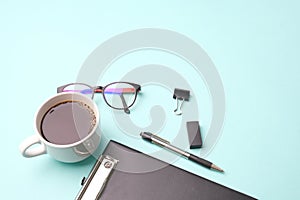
{"points": [[122, 173]]}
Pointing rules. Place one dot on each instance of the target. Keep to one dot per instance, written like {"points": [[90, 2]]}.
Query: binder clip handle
{"points": [[178, 110], [180, 95]]}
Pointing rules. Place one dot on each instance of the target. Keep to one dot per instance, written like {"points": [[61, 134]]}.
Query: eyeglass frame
{"points": [[100, 89]]}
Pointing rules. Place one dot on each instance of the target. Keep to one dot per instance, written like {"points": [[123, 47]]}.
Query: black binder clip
{"points": [[180, 95]]}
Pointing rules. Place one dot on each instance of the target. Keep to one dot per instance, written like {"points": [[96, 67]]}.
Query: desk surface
{"points": [[254, 46]]}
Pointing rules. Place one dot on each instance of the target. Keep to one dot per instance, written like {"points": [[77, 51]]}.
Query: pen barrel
{"points": [[146, 136], [200, 161]]}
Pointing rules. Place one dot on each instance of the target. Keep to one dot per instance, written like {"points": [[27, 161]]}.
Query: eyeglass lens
{"points": [[81, 88], [120, 95]]}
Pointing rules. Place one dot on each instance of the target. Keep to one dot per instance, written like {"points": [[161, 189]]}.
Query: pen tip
{"points": [[215, 167]]}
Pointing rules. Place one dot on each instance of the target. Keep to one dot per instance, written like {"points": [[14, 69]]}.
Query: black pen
{"points": [[161, 142]]}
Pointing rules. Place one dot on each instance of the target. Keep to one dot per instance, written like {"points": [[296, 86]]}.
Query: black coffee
{"points": [[67, 122]]}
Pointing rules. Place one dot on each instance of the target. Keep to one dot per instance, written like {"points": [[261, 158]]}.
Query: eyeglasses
{"points": [[117, 95]]}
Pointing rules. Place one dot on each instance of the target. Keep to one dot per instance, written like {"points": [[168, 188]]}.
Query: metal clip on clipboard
{"points": [[93, 185]]}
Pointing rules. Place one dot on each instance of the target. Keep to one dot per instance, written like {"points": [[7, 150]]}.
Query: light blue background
{"points": [[254, 45]]}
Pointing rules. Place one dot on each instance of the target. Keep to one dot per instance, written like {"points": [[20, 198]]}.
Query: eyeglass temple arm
{"points": [[126, 109]]}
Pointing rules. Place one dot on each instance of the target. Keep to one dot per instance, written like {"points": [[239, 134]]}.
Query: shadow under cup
{"points": [[68, 128]]}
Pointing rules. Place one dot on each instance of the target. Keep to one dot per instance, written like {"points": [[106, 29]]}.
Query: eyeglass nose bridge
{"points": [[98, 89]]}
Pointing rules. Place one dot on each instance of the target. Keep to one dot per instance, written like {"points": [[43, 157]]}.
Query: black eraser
{"points": [[194, 134]]}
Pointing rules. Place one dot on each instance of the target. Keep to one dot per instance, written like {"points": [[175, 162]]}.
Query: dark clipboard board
{"points": [[165, 183]]}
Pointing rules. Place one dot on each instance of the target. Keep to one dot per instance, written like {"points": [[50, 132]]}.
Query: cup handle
{"points": [[28, 152]]}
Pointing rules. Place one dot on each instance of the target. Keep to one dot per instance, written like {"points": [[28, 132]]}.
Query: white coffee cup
{"points": [[69, 153]]}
